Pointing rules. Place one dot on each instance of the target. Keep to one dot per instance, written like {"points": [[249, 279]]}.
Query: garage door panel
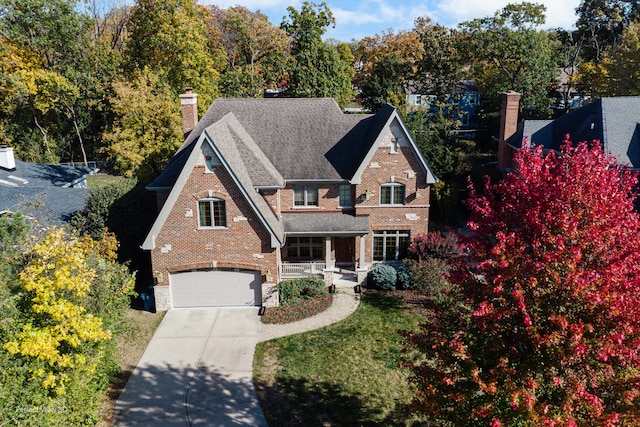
{"points": [[216, 288]]}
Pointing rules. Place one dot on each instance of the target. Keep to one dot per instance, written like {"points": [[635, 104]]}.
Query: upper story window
{"points": [[305, 195], [345, 196], [212, 213], [392, 194]]}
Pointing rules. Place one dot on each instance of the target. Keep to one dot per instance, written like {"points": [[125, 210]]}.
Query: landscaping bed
{"points": [[302, 309]]}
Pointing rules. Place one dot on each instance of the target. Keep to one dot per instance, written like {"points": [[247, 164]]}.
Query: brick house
{"points": [[266, 189]]}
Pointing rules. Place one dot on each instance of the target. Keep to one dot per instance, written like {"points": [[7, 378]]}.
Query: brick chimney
{"points": [[7, 160], [508, 126], [189, 104]]}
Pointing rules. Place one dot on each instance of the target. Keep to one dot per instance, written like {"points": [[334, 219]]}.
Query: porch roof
{"points": [[325, 224]]}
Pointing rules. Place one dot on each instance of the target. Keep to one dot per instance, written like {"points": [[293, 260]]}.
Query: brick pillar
{"points": [[189, 104], [508, 126]]}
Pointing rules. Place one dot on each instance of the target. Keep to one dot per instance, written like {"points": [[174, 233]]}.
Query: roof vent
{"points": [[7, 161]]}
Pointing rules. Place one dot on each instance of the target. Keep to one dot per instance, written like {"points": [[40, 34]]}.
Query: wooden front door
{"points": [[345, 250]]}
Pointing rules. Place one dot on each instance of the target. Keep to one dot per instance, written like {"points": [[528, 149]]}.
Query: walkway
{"points": [[345, 302]]}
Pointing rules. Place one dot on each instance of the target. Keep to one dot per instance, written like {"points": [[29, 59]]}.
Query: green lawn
{"points": [[102, 179], [345, 374]]}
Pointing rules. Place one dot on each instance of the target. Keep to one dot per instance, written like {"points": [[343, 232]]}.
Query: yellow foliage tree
{"points": [[147, 129], [60, 331]]}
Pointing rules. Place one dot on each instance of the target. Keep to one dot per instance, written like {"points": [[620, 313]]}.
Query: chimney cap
{"points": [[188, 89]]}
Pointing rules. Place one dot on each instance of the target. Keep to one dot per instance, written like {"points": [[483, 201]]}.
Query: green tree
{"points": [[62, 60], [171, 37], [384, 82], [441, 69], [318, 70], [508, 53], [432, 129], [147, 129], [257, 52], [618, 72], [601, 23]]}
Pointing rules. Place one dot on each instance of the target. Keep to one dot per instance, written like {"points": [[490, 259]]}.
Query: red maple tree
{"points": [[544, 329]]}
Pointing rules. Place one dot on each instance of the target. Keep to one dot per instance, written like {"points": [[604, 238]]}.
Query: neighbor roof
{"points": [[45, 192], [612, 121]]}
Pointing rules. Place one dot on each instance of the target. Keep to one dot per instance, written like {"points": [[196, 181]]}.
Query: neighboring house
{"points": [[614, 122], [49, 194], [467, 100], [266, 189]]}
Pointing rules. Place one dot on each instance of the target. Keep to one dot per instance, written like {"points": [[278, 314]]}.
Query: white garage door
{"points": [[216, 288]]}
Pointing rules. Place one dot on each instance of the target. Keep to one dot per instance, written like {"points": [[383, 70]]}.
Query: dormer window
{"points": [[212, 213], [305, 195], [392, 194]]}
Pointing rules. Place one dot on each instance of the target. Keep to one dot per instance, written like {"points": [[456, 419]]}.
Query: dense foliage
{"points": [[292, 290], [542, 327], [62, 303]]}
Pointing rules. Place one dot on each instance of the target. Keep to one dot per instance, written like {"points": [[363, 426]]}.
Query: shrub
{"points": [[289, 291], [292, 290], [311, 286], [434, 245], [384, 277], [405, 279], [429, 276]]}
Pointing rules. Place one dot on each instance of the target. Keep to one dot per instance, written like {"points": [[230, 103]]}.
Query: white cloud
{"points": [[451, 12]]}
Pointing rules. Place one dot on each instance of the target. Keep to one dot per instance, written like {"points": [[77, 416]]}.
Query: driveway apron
{"points": [[196, 371]]}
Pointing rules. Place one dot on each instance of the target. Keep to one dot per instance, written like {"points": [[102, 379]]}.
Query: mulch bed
{"points": [[302, 309]]}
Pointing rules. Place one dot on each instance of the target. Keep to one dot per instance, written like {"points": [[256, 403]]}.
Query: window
{"points": [[212, 213], [345, 196], [392, 194], [305, 195], [390, 245], [304, 247]]}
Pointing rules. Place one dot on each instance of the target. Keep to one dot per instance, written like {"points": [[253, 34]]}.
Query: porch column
{"points": [[361, 263], [327, 252]]}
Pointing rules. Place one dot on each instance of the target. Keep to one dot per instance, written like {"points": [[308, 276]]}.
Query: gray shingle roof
{"points": [[44, 192], [325, 223], [612, 121], [304, 139]]}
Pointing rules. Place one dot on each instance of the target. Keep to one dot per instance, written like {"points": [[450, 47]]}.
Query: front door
{"points": [[345, 251]]}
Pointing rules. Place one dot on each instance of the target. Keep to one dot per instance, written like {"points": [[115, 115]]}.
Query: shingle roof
{"points": [[43, 191], [326, 223], [237, 150], [612, 121], [304, 139]]}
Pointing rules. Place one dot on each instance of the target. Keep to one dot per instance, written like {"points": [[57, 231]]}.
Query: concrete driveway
{"points": [[196, 371]]}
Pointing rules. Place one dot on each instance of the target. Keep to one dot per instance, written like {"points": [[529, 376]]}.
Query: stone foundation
{"points": [[362, 274], [162, 297], [270, 295]]}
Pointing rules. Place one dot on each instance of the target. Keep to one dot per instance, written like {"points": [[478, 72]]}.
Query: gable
{"points": [[231, 161], [393, 131]]}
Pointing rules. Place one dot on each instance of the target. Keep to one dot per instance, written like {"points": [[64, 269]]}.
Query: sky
{"points": [[356, 19]]}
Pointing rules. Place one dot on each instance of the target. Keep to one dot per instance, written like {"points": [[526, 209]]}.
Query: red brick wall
{"points": [[328, 199], [245, 243], [385, 167]]}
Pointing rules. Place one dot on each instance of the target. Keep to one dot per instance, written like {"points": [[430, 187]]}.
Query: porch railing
{"points": [[301, 269]]}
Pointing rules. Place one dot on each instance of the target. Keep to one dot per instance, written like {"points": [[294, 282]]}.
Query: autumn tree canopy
{"points": [[544, 327]]}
